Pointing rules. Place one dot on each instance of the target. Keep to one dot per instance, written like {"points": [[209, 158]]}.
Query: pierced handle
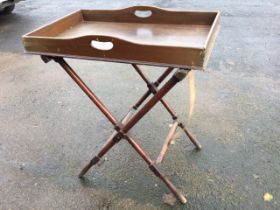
{"points": [[143, 13], [105, 46]]}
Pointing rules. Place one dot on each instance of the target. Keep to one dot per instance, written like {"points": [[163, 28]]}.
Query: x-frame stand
{"points": [[122, 127]]}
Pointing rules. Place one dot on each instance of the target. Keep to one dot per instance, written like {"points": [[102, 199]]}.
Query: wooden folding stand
{"points": [[174, 39]]}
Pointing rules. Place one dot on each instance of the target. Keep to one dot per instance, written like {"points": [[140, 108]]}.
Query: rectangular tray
{"points": [[139, 34]]}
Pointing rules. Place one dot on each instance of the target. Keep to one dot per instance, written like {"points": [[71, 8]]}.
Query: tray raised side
{"points": [[140, 34]]}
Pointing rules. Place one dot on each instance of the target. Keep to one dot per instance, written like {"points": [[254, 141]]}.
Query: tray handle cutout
{"points": [[143, 13], [105, 46]]}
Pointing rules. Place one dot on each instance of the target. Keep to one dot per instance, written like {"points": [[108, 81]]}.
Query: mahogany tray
{"points": [[139, 34]]}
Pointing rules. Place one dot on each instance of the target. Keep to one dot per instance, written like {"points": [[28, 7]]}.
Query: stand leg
{"points": [[155, 170], [167, 142], [114, 138], [193, 140], [86, 90], [153, 89], [178, 76], [157, 83], [122, 128]]}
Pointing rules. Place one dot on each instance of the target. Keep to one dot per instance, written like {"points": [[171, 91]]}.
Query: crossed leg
{"points": [[122, 128], [153, 89]]}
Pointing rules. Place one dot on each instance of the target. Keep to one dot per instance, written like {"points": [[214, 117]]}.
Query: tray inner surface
{"points": [[185, 35]]}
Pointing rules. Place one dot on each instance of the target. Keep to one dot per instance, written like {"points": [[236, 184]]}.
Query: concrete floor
{"points": [[49, 129]]}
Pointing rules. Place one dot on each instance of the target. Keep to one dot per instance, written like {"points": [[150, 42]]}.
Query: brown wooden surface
{"points": [[166, 38]]}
